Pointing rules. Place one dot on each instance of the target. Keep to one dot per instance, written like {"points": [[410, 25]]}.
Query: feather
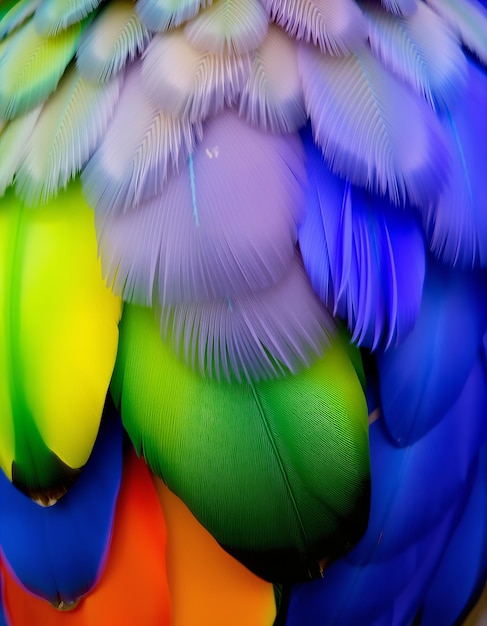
{"points": [[184, 81], [53, 16], [13, 13], [422, 51], [228, 26], [214, 600], [414, 399], [68, 129], [466, 553], [114, 38], [468, 20], [58, 341], [365, 136], [255, 336], [133, 587], [365, 257], [272, 97], [13, 139], [224, 226], [80, 524], [159, 15], [400, 7], [243, 456], [382, 592], [456, 225], [31, 66], [140, 149], [336, 26], [405, 480]]}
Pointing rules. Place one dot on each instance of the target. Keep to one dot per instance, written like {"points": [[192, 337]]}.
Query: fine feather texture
{"points": [[365, 136], [224, 226], [13, 14], [422, 51], [53, 16], [400, 7], [49, 273], [116, 37], [140, 149], [260, 335], [81, 523], [415, 399], [184, 81], [365, 257], [228, 26], [159, 15], [243, 456], [68, 129], [12, 142], [456, 226], [31, 66], [336, 26], [468, 20], [272, 97]]}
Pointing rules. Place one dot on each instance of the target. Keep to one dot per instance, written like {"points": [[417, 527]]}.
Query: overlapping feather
{"points": [[242, 456], [335, 26], [53, 16], [228, 26], [211, 233], [186, 82], [159, 15], [69, 127], [272, 97], [365, 136], [13, 13], [114, 38]]}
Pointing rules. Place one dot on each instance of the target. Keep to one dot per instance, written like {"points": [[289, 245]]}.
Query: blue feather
{"points": [[58, 552], [462, 571], [365, 257], [422, 378]]}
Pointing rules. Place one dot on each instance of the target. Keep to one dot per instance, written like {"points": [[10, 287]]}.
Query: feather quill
{"points": [[228, 26], [468, 20], [116, 37], [31, 66], [256, 336], [242, 456], [184, 81], [68, 129], [140, 149], [336, 26], [272, 97], [365, 136], [53, 16], [224, 226], [159, 15], [422, 51]]}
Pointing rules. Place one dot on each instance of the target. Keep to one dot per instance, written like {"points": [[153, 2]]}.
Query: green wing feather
{"points": [[278, 471]]}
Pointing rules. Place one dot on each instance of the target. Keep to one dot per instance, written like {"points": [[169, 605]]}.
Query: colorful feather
{"points": [[244, 456], [53, 16], [210, 234], [13, 14], [31, 66], [228, 26], [140, 149], [365, 136], [71, 124], [116, 37], [186, 82], [422, 51], [158, 15], [80, 524], [55, 374], [272, 97], [336, 26]]}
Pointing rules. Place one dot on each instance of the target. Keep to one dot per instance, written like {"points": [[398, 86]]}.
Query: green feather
{"points": [[13, 13], [278, 471], [31, 66]]}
